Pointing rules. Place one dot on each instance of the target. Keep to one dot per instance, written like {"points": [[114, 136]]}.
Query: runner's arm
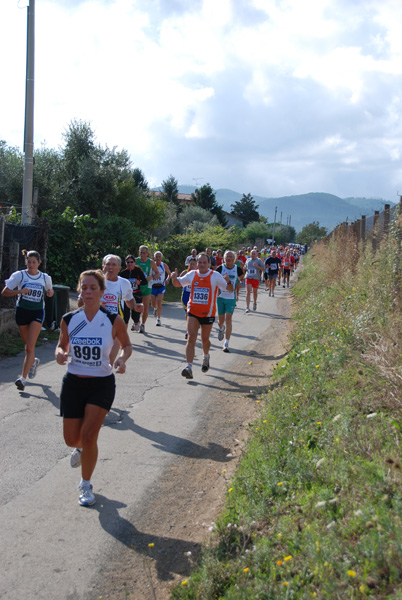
{"points": [[63, 344], [119, 331]]}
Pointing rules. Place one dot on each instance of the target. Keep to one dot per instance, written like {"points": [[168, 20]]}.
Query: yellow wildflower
{"points": [[246, 570], [352, 573], [151, 545], [184, 582], [288, 558], [280, 483], [279, 562]]}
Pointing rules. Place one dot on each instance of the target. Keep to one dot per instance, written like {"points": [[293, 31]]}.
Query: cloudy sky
{"points": [[271, 97]]}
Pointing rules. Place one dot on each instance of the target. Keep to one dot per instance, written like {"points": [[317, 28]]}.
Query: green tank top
{"points": [[146, 267]]}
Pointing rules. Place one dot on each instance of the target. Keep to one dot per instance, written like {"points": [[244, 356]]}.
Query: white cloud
{"points": [[268, 96]]}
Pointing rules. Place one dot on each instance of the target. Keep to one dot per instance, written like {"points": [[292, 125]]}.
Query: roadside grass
{"points": [[315, 507], [11, 343]]}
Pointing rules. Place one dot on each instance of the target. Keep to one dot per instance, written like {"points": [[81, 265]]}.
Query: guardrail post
{"points": [[385, 227], [375, 230], [363, 228]]}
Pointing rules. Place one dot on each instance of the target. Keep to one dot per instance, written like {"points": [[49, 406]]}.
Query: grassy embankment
{"points": [[315, 508]]}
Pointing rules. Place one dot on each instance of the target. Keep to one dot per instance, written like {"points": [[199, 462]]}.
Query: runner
{"points": [[219, 258], [159, 286], [254, 266], [226, 300], [136, 277], [212, 259], [201, 308], [30, 285], [147, 265], [192, 255], [272, 265], [286, 264], [88, 387], [185, 294]]}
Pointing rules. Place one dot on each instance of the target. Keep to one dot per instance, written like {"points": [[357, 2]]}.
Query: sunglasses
{"points": [[129, 261]]}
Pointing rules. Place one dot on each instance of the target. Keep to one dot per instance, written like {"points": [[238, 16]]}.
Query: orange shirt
{"points": [[204, 290]]}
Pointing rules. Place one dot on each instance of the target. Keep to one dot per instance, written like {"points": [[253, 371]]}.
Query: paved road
{"points": [[45, 535]]}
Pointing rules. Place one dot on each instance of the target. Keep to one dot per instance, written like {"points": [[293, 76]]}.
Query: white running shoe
{"points": [[187, 373], [247, 310], [136, 326], [142, 328], [158, 322], [20, 383], [205, 364], [226, 349], [34, 368], [254, 307], [87, 497], [75, 458], [221, 333]]}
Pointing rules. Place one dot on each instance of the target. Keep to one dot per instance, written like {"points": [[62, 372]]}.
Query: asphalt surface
{"points": [[51, 548]]}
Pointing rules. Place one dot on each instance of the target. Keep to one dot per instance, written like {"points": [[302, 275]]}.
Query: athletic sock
{"points": [[226, 343], [85, 483], [206, 356], [189, 365]]}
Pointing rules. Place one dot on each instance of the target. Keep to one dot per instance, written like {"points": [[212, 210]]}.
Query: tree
{"points": [[11, 177], [170, 191], [246, 209], [195, 218], [283, 233], [169, 224], [139, 180], [48, 178], [205, 198], [310, 233], [91, 173], [256, 230]]}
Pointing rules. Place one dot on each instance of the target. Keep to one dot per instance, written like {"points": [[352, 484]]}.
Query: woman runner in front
{"points": [[88, 388]]}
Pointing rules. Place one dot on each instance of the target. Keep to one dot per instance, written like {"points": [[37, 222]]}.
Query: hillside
{"points": [[329, 210]]}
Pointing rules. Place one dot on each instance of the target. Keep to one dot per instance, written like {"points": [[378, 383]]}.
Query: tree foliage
{"points": [[205, 198], [170, 191], [195, 218], [246, 209], [11, 177], [78, 242], [255, 231], [310, 233]]}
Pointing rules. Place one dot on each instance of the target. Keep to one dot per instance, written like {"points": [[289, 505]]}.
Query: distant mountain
{"points": [[327, 209]]}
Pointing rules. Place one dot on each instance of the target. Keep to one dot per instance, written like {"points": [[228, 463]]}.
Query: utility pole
{"points": [[273, 231], [27, 198]]}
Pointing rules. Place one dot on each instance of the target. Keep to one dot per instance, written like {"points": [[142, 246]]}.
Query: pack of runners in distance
{"points": [[91, 337]]}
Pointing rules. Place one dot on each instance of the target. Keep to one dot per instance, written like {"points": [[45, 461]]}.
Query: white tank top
{"points": [[90, 343], [233, 279]]}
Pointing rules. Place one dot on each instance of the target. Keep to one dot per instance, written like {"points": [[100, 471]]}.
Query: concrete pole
{"points": [[273, 232], [27, 212]]}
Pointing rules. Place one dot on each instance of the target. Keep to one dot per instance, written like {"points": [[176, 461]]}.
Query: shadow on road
{"points": [[170, 554], [167, 442]]}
